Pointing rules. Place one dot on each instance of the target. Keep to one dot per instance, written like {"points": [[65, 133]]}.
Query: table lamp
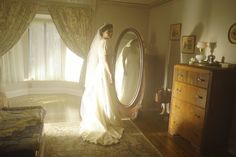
{"points": [[211, 57], [201, 56]]}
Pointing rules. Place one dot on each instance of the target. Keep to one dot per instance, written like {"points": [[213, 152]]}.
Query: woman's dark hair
{"points": [[105, 27]]}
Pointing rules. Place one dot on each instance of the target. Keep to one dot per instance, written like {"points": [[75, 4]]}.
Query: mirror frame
{"points": [[132, 108]]}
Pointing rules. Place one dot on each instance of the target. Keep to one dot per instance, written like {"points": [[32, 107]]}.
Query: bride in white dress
{"points": [[99, 111]]}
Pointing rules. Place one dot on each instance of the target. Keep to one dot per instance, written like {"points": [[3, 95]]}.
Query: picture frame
{"points": [[175, 31], [188, 44], [2, 9], [2, 15], [232, 34]]}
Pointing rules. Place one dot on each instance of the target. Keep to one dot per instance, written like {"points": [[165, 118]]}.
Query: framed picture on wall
{"points": [[2, 15], [188, 44], [232, 34], [175, 31]]}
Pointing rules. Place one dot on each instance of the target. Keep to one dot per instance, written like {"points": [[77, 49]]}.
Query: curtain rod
{"points": [[45, 3]]}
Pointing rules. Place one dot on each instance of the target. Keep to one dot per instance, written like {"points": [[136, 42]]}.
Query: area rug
{"points": [[63, 140]]}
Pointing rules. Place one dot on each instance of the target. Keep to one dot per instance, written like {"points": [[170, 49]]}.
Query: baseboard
{"points": [[15, 93], [55, 90]]}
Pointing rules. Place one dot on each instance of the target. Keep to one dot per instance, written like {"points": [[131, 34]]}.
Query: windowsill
{"points": [[42, 87]]}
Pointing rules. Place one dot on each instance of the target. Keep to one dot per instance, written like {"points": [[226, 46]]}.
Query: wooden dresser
{"points": [[201, 106]]}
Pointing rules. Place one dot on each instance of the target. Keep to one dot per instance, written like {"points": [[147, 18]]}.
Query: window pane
{"points": [[50, 59], [73, 66], [40, 54], [37, 56]]}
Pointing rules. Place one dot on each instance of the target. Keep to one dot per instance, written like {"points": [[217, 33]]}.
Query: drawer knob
{"points": [[178, 90], [181, 75], [197, 116], [200, 79], [196, 134], [199, 97], [177, 107]]}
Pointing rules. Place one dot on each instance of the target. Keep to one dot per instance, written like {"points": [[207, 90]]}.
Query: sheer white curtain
{"points": [[47, 52], [40, 55], [50, 59], [12, 63]]}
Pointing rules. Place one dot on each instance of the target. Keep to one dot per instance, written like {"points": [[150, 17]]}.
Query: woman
{"points": [[130, 62], [100, 118]]}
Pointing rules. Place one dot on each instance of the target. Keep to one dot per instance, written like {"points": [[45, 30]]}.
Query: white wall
{"points": [[122, 16], [191, 14], [209, 20], [221, 16]]}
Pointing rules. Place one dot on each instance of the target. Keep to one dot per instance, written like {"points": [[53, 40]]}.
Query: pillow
{"points": [[3, 100]]}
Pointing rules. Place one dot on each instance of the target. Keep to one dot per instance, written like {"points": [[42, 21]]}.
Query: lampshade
{"points": [[201, 45], [212, 45]]}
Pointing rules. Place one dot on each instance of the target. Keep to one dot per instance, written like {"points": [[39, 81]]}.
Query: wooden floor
{"points": [[155, 126]]}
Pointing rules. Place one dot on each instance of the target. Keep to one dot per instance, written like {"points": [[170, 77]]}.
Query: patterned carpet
{"points": [[62, 140], [61, 129]]}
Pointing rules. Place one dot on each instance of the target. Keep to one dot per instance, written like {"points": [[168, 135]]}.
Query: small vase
{"points": [[200, 58], [210, 59]]}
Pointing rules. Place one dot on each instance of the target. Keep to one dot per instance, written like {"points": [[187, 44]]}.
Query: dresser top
{"points": [[232, 67]]}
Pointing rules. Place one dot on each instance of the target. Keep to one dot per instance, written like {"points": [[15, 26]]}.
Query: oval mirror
{"points": [[129, 68]]}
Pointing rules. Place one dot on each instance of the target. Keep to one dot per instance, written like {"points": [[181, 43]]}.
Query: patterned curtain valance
{"points": [[15, 16], [74, 26]]}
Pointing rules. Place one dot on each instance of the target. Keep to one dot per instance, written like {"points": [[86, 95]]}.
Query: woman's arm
{"points": [[108, 69], [124, 59]]}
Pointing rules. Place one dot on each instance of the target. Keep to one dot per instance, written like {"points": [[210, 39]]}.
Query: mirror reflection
{"points": [[128, 67]]}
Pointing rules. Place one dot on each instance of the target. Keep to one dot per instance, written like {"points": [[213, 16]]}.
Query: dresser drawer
{"points": [[186, 120], [196, 96], [190, 94], [180, 75], [176, 119], [196, 120], [179, 90], [194, 76], [198, 78]]}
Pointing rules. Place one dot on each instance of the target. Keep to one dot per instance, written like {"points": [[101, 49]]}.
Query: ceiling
{"points": [[137, 1], [141, 2], [146, 3]]}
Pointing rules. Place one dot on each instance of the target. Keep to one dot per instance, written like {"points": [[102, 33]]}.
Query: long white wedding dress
{"points": [[100, 117]]}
